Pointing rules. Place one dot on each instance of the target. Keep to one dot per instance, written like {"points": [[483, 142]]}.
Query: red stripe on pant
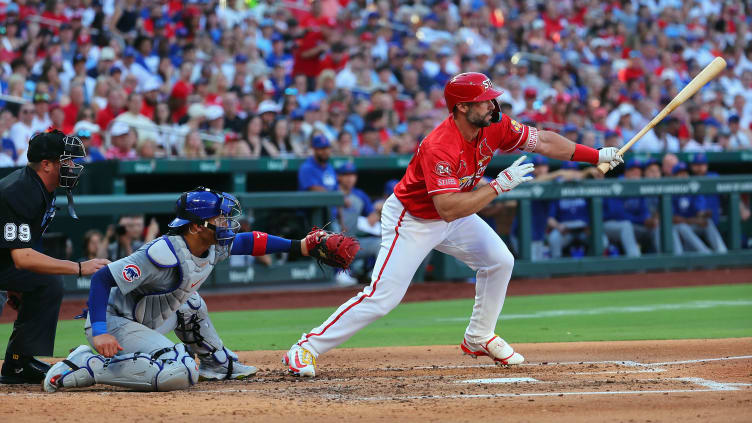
{"points": [[396, 230]]}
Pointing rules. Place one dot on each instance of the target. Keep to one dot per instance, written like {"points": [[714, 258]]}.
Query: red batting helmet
{"points": [[471, 87]]}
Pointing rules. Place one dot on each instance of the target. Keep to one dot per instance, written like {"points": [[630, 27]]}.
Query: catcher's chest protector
{"points": [[171, 251]]}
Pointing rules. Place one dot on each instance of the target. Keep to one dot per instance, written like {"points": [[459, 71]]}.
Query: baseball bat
{"points": [[711, 71]]}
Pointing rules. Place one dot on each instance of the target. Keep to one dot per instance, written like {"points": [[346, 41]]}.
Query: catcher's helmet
{"points": [[201, 204], [471, 87]]}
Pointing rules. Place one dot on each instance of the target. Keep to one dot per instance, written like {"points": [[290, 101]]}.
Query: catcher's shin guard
{"points": [[167, 370], [195, 329]]}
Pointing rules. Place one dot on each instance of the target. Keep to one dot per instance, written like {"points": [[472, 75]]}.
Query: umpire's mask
{"points": [[70, 170]]}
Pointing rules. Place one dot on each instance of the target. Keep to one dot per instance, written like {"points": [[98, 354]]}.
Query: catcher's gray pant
{"points": [[685, 234], [191, 324], [405, 242], [3, 299]]}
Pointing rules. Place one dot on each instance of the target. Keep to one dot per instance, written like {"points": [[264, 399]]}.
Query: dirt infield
{"points": [[686, 380], [271, 300]]}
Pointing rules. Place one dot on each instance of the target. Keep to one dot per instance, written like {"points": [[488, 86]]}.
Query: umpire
{"points": [[27, 206]]}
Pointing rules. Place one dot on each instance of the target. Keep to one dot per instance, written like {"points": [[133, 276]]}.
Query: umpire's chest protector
{"points": [[154, 309]]}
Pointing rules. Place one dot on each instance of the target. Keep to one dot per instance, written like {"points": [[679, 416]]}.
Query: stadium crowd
{"points": [[315, 78], [262, 78]]}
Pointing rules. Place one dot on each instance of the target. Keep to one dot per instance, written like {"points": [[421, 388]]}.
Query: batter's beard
{"points": [[479, 121]]}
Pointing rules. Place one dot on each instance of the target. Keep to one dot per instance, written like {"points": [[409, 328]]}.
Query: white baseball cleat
{"points": [[496, 348], [300, 361]]}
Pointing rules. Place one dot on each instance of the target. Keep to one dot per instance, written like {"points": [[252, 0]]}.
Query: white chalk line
{"points": [[647, 367], [620, 372], [701, 360], [692, 305], [501, 380], [532, 394]]}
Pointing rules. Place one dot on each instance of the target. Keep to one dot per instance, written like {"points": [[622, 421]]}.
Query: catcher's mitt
{"points": [[332, 249]]}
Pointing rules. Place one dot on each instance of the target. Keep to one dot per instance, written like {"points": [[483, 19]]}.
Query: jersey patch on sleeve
{"points": [[443, 168], [516, 126], [131, 272]]}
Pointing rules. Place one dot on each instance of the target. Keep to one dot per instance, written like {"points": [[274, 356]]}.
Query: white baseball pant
{"points": [[406, 240]]}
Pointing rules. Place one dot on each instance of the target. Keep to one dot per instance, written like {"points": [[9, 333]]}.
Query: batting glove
{"points": [[512, 176], [611, 156]]}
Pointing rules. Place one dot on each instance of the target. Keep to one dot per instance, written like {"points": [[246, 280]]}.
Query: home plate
{"points": [[499, 380]]}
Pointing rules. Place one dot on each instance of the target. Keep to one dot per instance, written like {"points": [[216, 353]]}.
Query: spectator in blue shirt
{"points": [[359, 219], [698, 164], [316, 173], [568, 220], [539, 210], [93, 154], [692, 218], [628, 219]]}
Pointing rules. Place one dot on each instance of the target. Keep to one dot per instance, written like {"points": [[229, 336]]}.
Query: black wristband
{"points": [[79, 269], [295, 250]]}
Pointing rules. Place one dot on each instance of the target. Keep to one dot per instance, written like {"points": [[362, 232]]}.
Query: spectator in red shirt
{"points": [[531, 113], [337, 59], [72, 109], [313, 44], [122, 141], [178, 100], [115, 106], [150, 92], [57, 116], [54, 12]]}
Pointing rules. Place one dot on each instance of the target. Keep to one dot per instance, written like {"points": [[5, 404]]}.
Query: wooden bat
{"points": [[711, 71]]}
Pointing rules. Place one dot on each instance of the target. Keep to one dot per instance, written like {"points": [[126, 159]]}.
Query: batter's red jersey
{"points": [[445, 162]]}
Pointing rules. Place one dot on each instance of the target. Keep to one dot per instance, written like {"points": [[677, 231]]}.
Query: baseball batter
{"points": [[134, 301], [434, 206]]}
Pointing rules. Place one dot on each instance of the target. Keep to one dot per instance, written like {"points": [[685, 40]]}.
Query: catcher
{"points": [[134, 301]]}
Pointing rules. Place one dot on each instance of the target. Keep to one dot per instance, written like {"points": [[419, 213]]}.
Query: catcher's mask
{"points": [[201, 204]]}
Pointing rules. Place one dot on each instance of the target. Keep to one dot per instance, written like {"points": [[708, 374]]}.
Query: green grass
{"points": [[720, 311]]}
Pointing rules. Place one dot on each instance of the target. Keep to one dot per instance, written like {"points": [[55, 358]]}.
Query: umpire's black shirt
{"points": [[26, 209]]}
